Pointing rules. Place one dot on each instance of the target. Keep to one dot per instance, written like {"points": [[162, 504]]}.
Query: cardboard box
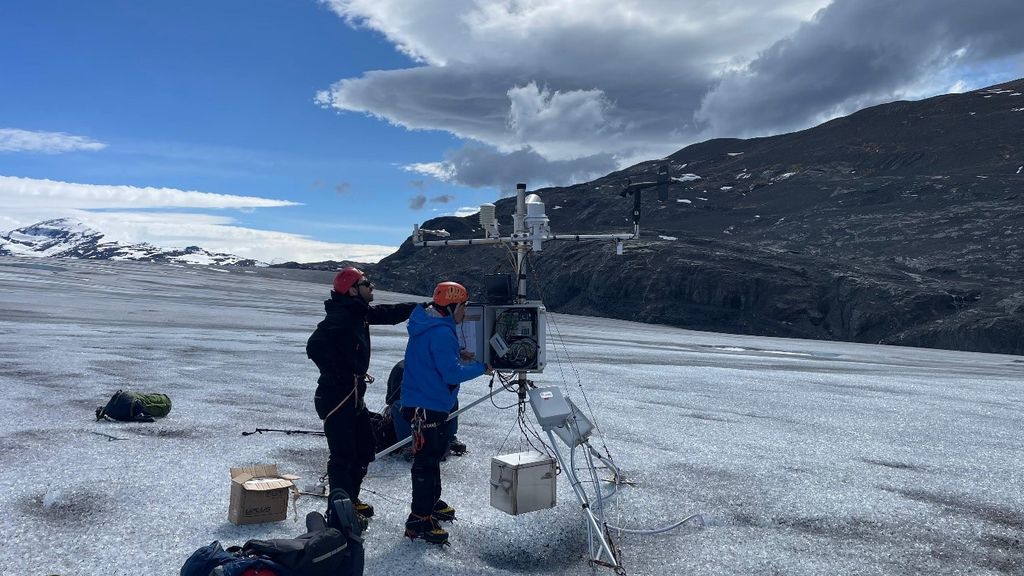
{"points": [[259, 494]]}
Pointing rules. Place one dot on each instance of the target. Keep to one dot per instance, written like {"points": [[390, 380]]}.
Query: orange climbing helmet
{"points": [[447, 293]]}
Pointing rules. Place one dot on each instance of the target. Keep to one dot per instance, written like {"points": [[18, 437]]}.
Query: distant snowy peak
{"points": [[59, 227], [69, 238], [48, 238]]}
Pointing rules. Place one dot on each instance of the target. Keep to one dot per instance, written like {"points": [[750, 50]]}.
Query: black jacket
{"points": [[340, 345]]}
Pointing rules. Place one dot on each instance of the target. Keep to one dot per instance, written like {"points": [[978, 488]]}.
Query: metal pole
{"points": [[593, 526], [408, 439], [522, 247], [519, 219]]}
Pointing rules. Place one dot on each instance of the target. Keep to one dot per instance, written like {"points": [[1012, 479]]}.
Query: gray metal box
{"points": [[515, 336], [549, 406], [522, 482], [575, 429], [509, 337]]}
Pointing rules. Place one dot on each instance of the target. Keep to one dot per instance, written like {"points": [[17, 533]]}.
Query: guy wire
{"points": [[558, 336], [697, 517]]}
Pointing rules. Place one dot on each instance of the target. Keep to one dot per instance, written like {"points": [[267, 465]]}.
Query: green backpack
{"points": [[129, 406]]}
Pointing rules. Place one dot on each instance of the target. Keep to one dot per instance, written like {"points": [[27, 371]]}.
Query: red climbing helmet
{"points": [[346, 279]]}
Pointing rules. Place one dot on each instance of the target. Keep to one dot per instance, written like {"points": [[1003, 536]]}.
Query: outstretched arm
{"points": [[445, 351], [390, 313]]}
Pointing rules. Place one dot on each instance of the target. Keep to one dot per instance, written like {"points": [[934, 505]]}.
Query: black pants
{"points": [[426, 464], [350, 440]]}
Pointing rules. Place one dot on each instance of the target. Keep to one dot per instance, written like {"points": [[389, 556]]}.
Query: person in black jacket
{"points": [[340, 348]]}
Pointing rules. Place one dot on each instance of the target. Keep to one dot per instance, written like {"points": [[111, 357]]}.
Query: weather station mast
{"points": [[511, 337]]}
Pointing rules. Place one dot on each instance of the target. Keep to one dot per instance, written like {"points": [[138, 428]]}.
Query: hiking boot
{"points": [[363, 509], [457, 447], [363, 521], [443, 512], [427, 528]]}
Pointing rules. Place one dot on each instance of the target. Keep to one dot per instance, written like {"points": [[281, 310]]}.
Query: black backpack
{"points": [[331, 546], [322, 552], [341, 516], [214, 560]]}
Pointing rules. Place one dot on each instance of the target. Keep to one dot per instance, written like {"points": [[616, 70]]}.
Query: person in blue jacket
{"points": [[434, 368], [401, 428]]}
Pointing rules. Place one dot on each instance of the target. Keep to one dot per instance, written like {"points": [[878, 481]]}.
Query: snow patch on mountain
{"points": [[70, 238]]}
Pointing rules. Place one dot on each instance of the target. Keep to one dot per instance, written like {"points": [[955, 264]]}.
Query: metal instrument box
{"points": [[549, 406], [509, 337], [523, 482]]}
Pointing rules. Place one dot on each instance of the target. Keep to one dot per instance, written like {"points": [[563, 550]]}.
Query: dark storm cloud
{"points": [[578, 89], [417, 202], [560, 115], [856, 53]]}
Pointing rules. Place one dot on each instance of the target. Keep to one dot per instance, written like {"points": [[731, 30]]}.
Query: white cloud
{"points": [[220, 234], [15, 140], [476, 166], [565, 79], [18, 192], [27, 201], [639, 79], [557, 125], [439, 170], [958, 87], [215, 233]]}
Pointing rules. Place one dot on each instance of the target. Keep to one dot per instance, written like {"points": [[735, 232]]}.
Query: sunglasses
{"points": [[366, 283]]}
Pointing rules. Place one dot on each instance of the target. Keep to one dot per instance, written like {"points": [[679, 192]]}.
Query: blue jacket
{"points": [[433, 370]]}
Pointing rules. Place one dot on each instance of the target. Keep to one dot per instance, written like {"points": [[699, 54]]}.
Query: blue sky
{"points": [[314, 129], [217, 97]]}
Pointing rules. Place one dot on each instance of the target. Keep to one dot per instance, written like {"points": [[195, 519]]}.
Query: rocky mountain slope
{"points": [[68, 238], [902, 223]]}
